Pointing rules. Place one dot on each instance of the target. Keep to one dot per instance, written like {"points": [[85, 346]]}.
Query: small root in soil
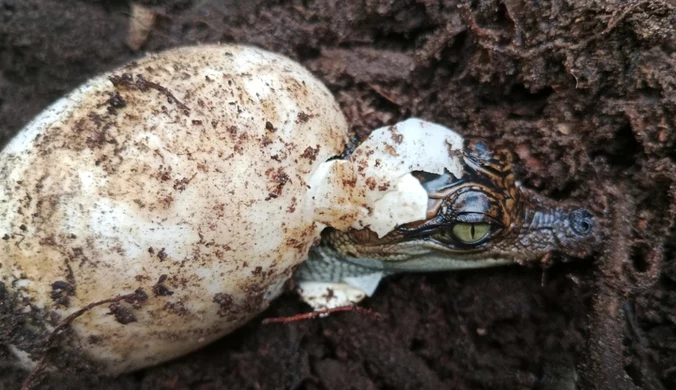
{"points": [[323, 313]]}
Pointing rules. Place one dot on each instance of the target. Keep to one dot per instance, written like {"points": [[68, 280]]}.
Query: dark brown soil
{"points": [[583, 91]]}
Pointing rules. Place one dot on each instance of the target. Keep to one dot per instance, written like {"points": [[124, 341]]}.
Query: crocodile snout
{"points": [[578, 235]]}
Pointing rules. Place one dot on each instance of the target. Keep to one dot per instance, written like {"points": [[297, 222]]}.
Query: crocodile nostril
{"points": [[581, 221]]}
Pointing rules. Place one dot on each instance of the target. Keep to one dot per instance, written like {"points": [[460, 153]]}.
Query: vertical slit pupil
{"points": [[471, 232]]}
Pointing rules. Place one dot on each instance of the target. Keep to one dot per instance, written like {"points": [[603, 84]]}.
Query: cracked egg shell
{"points": [[375, 187], [183, 173]]}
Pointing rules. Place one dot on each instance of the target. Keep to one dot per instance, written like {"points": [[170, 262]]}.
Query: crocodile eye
{"points": [[471, 233]]}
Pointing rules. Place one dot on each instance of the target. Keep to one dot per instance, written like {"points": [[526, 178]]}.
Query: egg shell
{"points": [[185, 174], [375, 188]]}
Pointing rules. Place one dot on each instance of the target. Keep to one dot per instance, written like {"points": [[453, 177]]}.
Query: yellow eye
{"points": [[470, 233]]}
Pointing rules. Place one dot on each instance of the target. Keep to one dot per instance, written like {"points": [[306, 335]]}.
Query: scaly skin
{"points": [[522, 227]]}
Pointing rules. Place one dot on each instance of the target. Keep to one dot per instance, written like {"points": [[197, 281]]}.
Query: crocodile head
{"points": [[481, 219]]}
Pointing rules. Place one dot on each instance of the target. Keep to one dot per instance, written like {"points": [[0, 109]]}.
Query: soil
{"points": [[583, 92]]}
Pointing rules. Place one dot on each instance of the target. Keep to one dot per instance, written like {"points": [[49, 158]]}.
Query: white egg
{"points": [[193, 164]]}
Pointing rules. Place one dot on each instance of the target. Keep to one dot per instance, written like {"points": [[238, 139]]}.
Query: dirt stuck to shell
{"points": [[583, 92]]}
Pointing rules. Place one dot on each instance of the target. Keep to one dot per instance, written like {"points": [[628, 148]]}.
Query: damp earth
{"points": [[583, 92]]}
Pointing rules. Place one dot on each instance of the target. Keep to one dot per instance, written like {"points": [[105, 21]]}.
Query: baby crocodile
{"points": [[482, 219]]}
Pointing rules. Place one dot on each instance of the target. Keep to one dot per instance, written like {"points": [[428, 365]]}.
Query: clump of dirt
{"points": [[584, 93]]}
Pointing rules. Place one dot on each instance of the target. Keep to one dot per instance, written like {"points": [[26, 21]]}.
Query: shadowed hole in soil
{"points": [[116, 5], [529, 104], [502, 16], [565, 192], [625, 148], [307, 53], [640, 253], [417, 345]]}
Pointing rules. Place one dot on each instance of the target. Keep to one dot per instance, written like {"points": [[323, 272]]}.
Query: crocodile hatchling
{"points": [[483, 218], [163, 204]]}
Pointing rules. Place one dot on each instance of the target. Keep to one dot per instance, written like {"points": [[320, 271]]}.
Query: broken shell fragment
{"points": [[378, 178]]}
